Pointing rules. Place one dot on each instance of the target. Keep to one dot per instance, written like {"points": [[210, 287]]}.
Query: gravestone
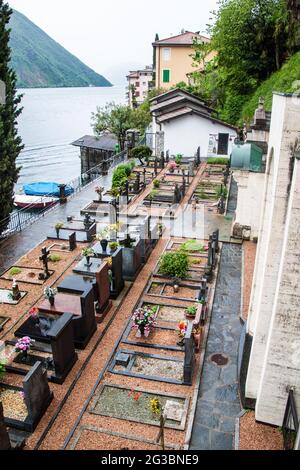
{"points": [[4, 436], [62, 344], [177, 194], [189, 355], [85, 326], [88, 222], [136, 187], [144, 173], [122, 359], [167, 156], [44, 258], [198, 157], [38, 395], [215, 239], [102, 289], [72, 242], [116, 268], [162, 161], [155, 167]]}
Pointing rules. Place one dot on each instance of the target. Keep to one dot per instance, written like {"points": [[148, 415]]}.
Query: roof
{"points": [[184, 39], [103, 142], [185, 111]]}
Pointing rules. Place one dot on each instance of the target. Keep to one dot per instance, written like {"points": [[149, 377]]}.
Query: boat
{"points": [[48, 189], [34, 202]]}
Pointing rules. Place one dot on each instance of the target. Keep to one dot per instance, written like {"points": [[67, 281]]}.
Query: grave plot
{"points": [[24, 407], [161, 337], [160, 288], [18, 364], [97, 208], [134, 405], [26, 274], [147, 366], [167, 313], [6, 297], [92, 438]]}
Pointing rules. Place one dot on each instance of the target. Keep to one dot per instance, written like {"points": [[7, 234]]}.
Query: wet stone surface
{"points": [[218, 401]]}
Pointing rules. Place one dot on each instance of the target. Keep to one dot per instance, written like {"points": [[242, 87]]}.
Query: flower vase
{"points": [[87, 261], [140, 332], [104, 244], [147, 333], [57, 232], [52, 300], [24, 356]]}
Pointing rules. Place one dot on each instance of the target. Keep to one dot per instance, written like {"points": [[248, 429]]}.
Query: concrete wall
{"points": [[249, 202], [184, 135], [274, 311]]}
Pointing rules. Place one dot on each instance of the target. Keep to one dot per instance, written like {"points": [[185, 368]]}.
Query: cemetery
{"points": [[91, 281]]}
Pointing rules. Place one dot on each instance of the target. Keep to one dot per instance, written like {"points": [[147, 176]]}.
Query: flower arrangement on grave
{"points": [[109, 261], [144, 321], [49, 294], [155, 407], [178, 159], [172, 166], [113, 246], [87, 253], [34, 313], [191, 311], [156, 184], [58, 227], [99, 190], [182, 327], [24, 345]]}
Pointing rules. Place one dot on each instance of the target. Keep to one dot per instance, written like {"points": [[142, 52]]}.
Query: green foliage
{"points": [[156, 184], [286, 80], [222, 191], [14, 271], [39, 61], [2, 369], [178, 159], [10, 143], [142, 152], [54, 258], [121, 174], [192, 245], [59, 226], [192, 310], [113, 246], [174, 264], [217, 161], [153, 195], [88, 252]]}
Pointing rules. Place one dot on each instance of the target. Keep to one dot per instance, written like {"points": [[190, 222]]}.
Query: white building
{"points": [[187, 123], [139, 84], [273, 327]]}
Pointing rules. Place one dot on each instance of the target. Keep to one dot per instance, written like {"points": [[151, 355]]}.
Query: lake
{"points": [[52, 118]]}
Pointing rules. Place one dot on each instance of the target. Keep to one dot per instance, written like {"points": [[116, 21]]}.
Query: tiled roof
{"points": [[103, 142], [185, 39]]}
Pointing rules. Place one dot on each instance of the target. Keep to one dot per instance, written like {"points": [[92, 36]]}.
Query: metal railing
{"points": [[19, 219], [290, 426]]}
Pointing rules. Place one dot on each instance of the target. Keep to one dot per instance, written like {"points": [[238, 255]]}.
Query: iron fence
{"points": [[19, 219], [290, 425]]}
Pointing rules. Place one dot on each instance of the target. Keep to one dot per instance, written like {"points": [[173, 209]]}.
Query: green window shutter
{"points": [[166, 76]]}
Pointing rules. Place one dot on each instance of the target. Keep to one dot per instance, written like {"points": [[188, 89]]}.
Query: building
{"points": [[139, 84], [96, 151], [270, 364], [173, 58], [185, 122]]}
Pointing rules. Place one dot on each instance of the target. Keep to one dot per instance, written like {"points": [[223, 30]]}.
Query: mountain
{"points": [[285, 80], [39, 61]]}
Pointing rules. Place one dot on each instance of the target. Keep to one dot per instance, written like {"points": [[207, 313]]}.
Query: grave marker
{"points": [[189, 355], [44, 258], [72, 242], [4, 436]]}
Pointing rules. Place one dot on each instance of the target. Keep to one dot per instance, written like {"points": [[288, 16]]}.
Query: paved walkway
{"points": [[218, 401], [19, 244]]}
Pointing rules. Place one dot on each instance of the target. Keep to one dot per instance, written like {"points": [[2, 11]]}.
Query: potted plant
{"points": [[113, 246], [143, 321], [23, 346], [50, 294], [178, 160], [58, 227], [99, 190], [87, 253], [191, 312], [156, 184]]}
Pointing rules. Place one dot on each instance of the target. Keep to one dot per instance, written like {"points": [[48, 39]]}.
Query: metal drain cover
{"points": [[220, 359]]}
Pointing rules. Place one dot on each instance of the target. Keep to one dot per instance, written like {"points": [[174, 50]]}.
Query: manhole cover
{"points": [[220, 359]]}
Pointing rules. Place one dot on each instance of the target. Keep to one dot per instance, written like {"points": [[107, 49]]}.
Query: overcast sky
{"points": [[109, 34]]}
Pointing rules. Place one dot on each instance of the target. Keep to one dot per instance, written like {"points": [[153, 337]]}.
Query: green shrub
{"points": [[2, 369], [222, 191], [192, 310], [156, 184], [218, 161], [54, 258], [192, 245], [178, 159], [142, 152], [121, 174], [14, 271], [174, 264]]}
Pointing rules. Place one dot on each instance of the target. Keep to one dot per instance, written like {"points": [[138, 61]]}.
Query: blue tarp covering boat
{"points": [[45, 189]]}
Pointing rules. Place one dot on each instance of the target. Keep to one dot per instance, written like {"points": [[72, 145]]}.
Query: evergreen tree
{"points": [[10, 143]]}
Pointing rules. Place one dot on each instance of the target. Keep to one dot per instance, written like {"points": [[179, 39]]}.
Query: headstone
{"points": [[144, 172], [215, 238], [38, 395], [189, 355], [177, 194], [221, 205], [4, 436], [87, 222], [167, 156], [162, 161], [102, 288], [45, 260], [174, 411], [62, 344], [198, 157], [85, 325], [155, 167], [91, 232], [62, 194], [137, 182], [72, 242]]}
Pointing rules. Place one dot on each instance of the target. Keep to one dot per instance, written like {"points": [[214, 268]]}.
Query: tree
{"points": [[10, 142]]}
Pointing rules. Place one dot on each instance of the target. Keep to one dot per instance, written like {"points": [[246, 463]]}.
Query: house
{"points": [[139, 84], [173, 58], [187, 123], [96, 151]]}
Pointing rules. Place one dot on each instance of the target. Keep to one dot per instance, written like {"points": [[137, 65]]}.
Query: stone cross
{"points": [[87, 221], [44, 258]]}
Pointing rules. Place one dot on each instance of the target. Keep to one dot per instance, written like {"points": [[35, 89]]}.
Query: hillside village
{"points": [[154, 303]]}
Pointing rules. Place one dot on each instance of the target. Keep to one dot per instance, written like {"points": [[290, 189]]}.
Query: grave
{"points": [[116, 259], [161, 337], [189, 355], [132, 259], [160, 288], [133, 405], [147, 366], [6, 297], [97, 208], [168, 313], [64, 234], [26, 412], [26, 275]]}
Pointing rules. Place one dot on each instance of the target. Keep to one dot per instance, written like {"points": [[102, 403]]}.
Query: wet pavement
{"points": [[218, 402]]}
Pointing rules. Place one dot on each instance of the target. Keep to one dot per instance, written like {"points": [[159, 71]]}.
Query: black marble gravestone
{"points": [[4, 436], [72, 242], [62, 345], [116, 268]]}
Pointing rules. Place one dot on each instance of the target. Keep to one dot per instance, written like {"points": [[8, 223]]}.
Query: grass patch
{"points": [[14, 271]]}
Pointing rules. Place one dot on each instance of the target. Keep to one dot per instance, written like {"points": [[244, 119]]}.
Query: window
{"points": [[167, 54], [166, 76]]}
